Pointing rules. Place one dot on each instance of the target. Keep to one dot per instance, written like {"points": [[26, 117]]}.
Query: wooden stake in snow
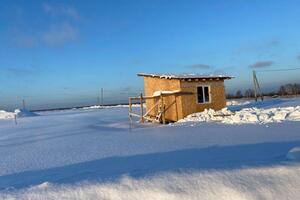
{"points": [[16, 122], [142, 108]]}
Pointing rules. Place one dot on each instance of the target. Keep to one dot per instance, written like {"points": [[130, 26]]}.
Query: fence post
{"points": [[142, 108], [130, 110]]}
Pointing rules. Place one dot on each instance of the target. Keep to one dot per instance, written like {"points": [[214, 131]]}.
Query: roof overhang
{"points": [[187, 77]]}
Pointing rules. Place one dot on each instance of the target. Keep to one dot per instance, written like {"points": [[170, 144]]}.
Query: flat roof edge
{"points": [[185, 76]]}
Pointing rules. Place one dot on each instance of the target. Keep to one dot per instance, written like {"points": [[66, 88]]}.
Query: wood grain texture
{"points": [[178, 106]]}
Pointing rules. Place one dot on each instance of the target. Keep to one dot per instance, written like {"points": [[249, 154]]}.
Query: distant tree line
{"points": [[284, 90]]}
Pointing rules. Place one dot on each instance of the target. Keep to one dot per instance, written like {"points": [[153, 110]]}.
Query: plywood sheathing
{"points": [[190, 104], [152, 84], [179, 106]]}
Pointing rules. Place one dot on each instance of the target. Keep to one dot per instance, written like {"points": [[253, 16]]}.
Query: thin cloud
{"points": [[136, 62], [261, 64], [21, 72], [58, 35], [199, 66], [263, 46], [27, 41], [129, 90], [271, 43], [59, 28], [23, 39], [66, 88], [58, 11], [298, 57]]}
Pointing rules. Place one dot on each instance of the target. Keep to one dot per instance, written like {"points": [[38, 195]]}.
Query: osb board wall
{"points": [[171, 102], [190, 104], [179, 107]]}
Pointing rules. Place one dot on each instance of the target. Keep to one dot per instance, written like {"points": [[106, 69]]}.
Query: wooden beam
{"points": [[164, 114], [163, 109], [130, 110], [151, 119], [148, 111], [135, 115], [176, 107]]}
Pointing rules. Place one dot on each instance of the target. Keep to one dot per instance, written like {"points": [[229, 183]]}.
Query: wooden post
{"points": [[175, 96], [162, 109], [164, 114], [142, 108], [130, 110]]}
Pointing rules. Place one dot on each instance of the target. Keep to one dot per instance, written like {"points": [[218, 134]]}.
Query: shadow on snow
{"points": [[259, 104], [111, 169]]}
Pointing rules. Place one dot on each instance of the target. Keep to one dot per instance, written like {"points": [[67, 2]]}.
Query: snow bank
{"points": [[243, 184], [18, 113], [24, 113], [6, 115], [115, 106], [247, 115], [294, 154], [237, 103]]}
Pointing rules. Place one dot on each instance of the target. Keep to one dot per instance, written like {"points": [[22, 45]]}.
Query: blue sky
{"points": [[60, 53]]}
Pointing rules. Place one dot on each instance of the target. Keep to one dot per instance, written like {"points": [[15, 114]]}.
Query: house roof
{"points": [[194, 77]]}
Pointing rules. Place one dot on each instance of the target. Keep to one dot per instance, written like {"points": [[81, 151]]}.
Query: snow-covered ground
{"points": [[96, 154]]}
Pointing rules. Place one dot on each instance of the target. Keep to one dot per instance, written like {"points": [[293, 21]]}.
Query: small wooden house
{"points": [[169, 98]]}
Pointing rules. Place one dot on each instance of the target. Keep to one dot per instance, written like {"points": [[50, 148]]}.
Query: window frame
{"points": [[203, 93]]}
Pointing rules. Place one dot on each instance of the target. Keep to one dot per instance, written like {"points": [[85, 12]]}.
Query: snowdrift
{"points": [[237, 103], [279, 182], [17, 113], [294, 154], [24, 113], [103, 107], [6, 115], [247, 115]]}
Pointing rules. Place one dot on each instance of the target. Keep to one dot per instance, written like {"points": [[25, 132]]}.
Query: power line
{"points": [[277, 70]]}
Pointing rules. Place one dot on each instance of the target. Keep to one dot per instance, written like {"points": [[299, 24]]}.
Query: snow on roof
{"points": [[186, 76]]}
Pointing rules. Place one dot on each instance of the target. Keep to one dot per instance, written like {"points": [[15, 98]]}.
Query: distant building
{"points": [[172, 97]]}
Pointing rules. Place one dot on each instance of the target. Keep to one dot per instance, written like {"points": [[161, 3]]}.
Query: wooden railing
{"points": [[160, 117]]}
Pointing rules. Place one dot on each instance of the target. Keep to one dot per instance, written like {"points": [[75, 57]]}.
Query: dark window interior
{"points": [[200, 94], [206, 94], [203, 94]]}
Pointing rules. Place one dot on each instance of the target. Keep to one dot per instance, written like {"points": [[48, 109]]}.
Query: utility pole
{"points": [[23, 102], [257, 89], [101, 96]]}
